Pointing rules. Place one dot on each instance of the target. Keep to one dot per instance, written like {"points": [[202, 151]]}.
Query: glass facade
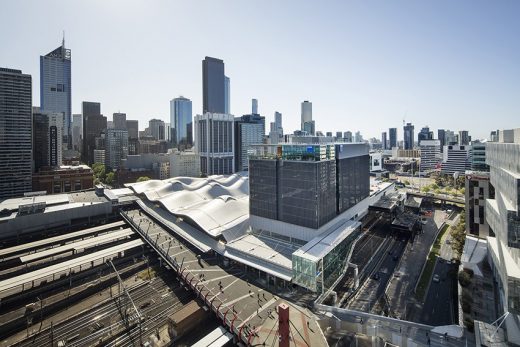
{"points": [[214, 142], [55, 86], [319, 274], [181, 119], [213, 86]]}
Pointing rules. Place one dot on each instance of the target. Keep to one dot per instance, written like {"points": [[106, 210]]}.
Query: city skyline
{"points": [[461, 68]]}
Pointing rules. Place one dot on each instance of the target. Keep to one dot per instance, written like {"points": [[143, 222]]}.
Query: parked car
{"points": [[376, 276], [436, 278]]}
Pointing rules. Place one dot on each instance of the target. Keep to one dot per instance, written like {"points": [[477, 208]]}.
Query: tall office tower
{"points": [[249, 130], [119, 120], [306, 114], [94, 123], [383, 139], [227, 95], [310, 128], [213, 133], [133, 136], [392, 133], [77, 132], [408, 136], [47, 139], [430, 155], [441, 136], [157, 129], [424, 134], [181, 119], [503, 216], [55, 87], [339, 135], [214, 96], [478, 156], [116, 147], [15, 133], [464, 138], [278, 123], [456, 158], [254, 106], [347, 136]]}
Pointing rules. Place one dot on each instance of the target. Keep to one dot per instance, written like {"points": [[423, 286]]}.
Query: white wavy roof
{"points": [[215, 204]]}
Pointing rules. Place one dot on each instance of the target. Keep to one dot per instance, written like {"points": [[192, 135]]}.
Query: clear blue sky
{"points": [[365, 65]]}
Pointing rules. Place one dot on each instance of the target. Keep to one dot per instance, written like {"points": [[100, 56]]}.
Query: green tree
{"points": [[110, 178], [426, 189], [143, 178]]}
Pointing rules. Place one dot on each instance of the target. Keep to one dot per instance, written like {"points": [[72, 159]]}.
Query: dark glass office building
{"points": [[392, 134], [408, 136], [307, 185], [94, 123], [213, 86]]}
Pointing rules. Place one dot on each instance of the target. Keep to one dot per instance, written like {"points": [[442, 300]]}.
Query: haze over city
{"points": [[364, 65]]}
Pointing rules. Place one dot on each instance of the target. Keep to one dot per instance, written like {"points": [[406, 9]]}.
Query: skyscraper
{"points": [[15, 133], [157, 129], [464, 138], [77, 132], [408, 136], [119, 121], [306, 114], [424, 134], [213, 133], [392, 137], [94, 123], [254, 106], [227, 95], [430, 155], [249, 130], [278, 123], [133, 136], [181, 122], [214, 94], [47, 139], [116, 147], [55, 87], [383, 139], [441, 136]]}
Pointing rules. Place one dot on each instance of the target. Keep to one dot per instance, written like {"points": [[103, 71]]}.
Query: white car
{"points": [[436, 278]]}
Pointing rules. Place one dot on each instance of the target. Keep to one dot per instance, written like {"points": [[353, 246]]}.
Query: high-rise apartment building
{"points": [[15, 133], [214, 96], [47, 139], [430, 155], [214, 133], [502, 213], [306, 115], [249, 130], [392, 134], [94, 123], [408, 136], [116, 147], [55, 87], [181, 119], [384, 140]]}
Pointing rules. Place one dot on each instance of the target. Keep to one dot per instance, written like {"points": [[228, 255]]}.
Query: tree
{"points": [[426, 189], [110, 178], [143, 178]]}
